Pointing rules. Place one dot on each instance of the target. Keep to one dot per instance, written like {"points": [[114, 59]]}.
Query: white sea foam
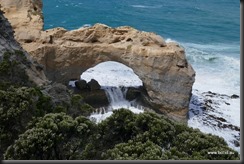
{"points": [[227, 134], [113, 77], [112, 74], [72, 83], [100, 116], [86, 25], [145, 6], [209, 120], [116, 97], [169, 40], [217, 69], [215, 47]]}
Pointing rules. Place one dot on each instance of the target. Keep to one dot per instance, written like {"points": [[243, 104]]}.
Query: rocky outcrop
{"points": [[81, 84], [93, 85], [59, 94], [25, 17], [96, 98], [16, 67], [163, 68]]}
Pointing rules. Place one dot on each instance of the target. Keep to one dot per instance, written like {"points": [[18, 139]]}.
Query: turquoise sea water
{"points": [[197, 21]]}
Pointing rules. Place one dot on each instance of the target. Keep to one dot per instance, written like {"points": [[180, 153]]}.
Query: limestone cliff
{"points": [[163, 68], [25, 17], [15, 63]]}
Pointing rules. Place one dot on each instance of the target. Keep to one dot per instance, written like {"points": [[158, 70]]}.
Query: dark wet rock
{"points": [[133, 93], [232, 127], [203, 107], [236, 143], [212, 93], [73, 79], [95, 98], [81, 84], [140, 96], [211, 102], [218, 118], [93, 85], [196, 112], [227, 103], [234, 96]]}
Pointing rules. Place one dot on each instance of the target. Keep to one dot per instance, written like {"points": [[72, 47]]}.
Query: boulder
{"points": [[81, 84], [96, 98], [234, 96], [132, 93], [93, 85]]}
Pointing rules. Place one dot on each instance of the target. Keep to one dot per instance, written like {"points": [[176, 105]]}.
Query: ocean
{"points": [[209, 31]]}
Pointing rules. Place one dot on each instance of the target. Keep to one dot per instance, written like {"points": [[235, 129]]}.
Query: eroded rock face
{"points": [[25, 70], [25, 17], [162, 67]]}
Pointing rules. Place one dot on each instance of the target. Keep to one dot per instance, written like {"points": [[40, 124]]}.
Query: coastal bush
{"points": [[152, 127], [123, 135], [115, 129], [55, 136], [12, 70], [18, 106], [193, 144], [134, 150], [177, 141], [79, 107]]}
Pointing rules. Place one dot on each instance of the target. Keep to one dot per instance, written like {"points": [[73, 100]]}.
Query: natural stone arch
{"points": [[162, 67]]}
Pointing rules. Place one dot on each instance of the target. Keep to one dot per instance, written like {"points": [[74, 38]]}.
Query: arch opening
{"points": [[122, 88], [112, 74]]}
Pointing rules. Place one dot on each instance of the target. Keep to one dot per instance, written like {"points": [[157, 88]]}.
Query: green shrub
{"points": [[12, 70], [19, 106], [55, 136], [79, 107], [134, 150]]}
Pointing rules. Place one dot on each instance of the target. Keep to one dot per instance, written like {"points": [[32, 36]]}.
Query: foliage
{"points": [[12, 69], [124, 135], [54, 136], [192, 144], [21, 106], [176, 140], [152, 127], [134, 150], [120, 127], [79, 107], [18, 106], [115, 129]]}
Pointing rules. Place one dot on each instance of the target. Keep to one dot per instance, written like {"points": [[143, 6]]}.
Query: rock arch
{"points": [[162, 67]]}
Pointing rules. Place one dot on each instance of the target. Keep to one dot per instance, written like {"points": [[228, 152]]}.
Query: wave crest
{"points": [[145, 6]]}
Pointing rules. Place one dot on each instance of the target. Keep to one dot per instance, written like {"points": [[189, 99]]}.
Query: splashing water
{"points": [[117, 100]]}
